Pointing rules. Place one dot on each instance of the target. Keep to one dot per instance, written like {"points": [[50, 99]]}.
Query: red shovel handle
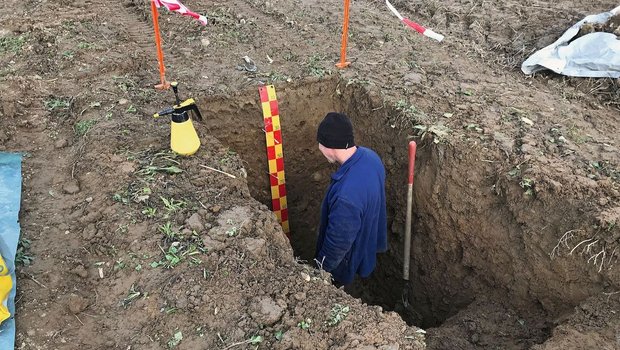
{"points": [[412, 149]]}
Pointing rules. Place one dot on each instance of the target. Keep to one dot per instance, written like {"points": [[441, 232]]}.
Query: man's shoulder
{"points": [[365, 171], [370, 156]]}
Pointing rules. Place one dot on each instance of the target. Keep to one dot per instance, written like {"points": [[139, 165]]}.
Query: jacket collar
{"points": [[344, 168]]}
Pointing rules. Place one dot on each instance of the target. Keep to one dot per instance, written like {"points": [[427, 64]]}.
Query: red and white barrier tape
{"points": [[418, 28], [177, 6]]}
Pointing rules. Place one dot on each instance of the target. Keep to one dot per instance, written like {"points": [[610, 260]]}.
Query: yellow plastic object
{"points": [[6, 284], [183, 138]]}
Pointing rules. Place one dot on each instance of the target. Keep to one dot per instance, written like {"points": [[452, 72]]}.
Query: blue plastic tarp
{"points": [[10, 196]]}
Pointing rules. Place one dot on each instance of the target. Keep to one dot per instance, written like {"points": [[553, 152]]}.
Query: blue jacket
{"points": [[353, 225]]}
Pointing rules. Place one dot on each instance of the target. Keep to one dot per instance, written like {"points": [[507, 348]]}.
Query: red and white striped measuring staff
{"points": [[413, 25], [275, 155]]}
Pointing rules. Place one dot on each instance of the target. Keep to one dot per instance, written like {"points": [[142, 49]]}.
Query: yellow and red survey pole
{"points": [[275, 155]]}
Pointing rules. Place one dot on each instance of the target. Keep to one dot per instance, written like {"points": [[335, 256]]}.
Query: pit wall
{"points": [[238, 122], [475, 231]]}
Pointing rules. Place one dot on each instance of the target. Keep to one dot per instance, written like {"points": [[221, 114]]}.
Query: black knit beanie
{"points": [[336, 131]]}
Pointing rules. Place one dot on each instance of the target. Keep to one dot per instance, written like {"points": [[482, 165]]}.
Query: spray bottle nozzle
{"points": [[180, 111], [175, 89], [188, 105]]}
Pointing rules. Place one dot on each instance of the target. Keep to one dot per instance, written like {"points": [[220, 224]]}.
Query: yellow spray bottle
{"points": [[183, 137]]}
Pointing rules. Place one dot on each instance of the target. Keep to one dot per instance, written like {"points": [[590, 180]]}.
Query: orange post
{"points": [[160, 54], [345, 34]]}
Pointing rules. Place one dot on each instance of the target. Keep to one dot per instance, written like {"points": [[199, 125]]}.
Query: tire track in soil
{"points": [[131, 20]]}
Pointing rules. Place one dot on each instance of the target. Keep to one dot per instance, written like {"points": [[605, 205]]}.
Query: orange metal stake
{"points": [[160, 54], [345, 34]]}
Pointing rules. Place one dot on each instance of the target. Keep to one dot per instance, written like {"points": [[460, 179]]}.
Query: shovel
{"points": [[407, 254]]}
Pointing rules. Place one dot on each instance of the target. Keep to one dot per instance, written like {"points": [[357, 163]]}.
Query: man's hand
{"points": [[343, 225]]}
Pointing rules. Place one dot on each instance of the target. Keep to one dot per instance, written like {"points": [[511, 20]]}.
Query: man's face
{"points": [[328, 153]]}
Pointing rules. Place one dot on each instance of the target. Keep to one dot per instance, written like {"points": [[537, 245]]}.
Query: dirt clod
{"points": [[77, 304], [80, 271], [61, 143], [389, 347], [256, 246], [266, 311], [300, 296], [71, 187], [211, 244], [194, 222]]}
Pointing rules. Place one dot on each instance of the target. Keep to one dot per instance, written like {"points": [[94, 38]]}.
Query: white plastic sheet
{"points": [[594, 55]]}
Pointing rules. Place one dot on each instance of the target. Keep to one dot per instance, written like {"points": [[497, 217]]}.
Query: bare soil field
{"points": [[126, 245]]}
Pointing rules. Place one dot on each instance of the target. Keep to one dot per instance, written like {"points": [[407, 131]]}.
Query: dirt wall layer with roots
{"points": [[124, 244]]}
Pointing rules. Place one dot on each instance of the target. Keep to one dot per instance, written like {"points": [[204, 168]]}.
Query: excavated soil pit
{"points": [[463, 259]]}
